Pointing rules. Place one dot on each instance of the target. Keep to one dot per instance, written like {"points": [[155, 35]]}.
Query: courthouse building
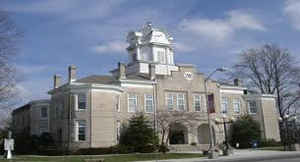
{"points": [[88, 112]]}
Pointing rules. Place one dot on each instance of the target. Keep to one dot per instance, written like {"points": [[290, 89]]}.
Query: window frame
{"points": [[170, 97], [236, 101], [249, 107], [183, 102], [79, 108], [78, 127], [136, 102], [118, 106], [226, 104], [161, 56], [145, 103], [197, 100], [41, 114], [118, 131]]}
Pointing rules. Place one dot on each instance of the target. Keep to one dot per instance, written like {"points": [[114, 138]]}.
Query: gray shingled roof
{"points": [[137, 77], [98, 79], [107, 79]]}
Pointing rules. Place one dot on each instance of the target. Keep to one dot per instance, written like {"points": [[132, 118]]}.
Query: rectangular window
{"points": [[224, 105], [252, 107], [132, 103], [62, 108], [170, 101], [236, 105], [197, 102], [180, 101], [118, 108], [57, 111], [118, 131], [44, 112], [161, 57], [82, 101], [81, 130], [148, 103]]}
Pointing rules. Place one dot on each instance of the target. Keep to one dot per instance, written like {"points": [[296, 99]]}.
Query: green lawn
{"points": [[109, 158], [273, 148]]}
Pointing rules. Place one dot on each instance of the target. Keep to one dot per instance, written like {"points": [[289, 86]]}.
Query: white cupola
{"points": [[151, 46]]}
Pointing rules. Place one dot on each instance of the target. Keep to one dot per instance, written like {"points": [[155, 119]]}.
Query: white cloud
{"points": [[222, 29], [292, 10], [181, 47], [212, 29], [111, 47], [243, 20]]}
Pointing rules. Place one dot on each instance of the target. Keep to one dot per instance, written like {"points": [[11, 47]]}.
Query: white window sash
{"points": [[118, 107], [76, 133], [118, 131], [224, 105], [145, 103], [170, 97], [197, 101], [237, 105], [83, 99], [250, 107], [181, 99], [135, 98]]}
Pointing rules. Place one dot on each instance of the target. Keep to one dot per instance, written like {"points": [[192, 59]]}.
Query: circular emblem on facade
{"points": [[188, 75]]}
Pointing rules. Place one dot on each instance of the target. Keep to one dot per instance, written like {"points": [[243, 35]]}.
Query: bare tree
{"points": [[165, 119], [9, 38], [271, 70]]}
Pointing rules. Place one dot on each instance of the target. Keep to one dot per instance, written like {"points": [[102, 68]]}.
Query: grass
{"points": [[273, 148], [108, 158]]}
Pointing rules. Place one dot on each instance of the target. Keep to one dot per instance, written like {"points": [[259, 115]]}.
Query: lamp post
{"points": [[211, 152], [285, 120], [226, 120], [225, 131]]}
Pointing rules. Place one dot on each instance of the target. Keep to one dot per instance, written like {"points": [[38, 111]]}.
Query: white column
{"points": [[76, 129], [75, 96]]}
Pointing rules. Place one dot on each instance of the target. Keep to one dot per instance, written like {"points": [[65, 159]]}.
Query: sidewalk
{"points": [[241, 155]]}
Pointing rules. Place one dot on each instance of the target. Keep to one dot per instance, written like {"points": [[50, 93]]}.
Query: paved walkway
{"points": [[241, 155]]}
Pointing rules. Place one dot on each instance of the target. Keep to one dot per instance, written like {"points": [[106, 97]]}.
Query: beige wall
{"points": [[29, 118]]}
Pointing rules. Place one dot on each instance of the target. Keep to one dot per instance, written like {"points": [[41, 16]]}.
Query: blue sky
{"points": [[92, 34]]}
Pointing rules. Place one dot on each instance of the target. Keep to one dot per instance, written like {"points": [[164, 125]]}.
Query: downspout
{"points": [[90, 106], [156, 106], [69, 120]]}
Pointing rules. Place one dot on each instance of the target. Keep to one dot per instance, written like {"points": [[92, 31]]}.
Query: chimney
{"points": [[72, 73], [57, 79], [152, 72], [237, 82], [122, 71]]}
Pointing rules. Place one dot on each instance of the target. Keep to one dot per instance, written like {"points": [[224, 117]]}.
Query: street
{"points": [[247, 156], [282, 160]]}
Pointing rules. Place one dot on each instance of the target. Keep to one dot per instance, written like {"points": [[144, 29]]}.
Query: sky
{"points": [[92, 34]]}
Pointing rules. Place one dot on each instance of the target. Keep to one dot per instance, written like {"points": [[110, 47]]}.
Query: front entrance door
{"points": [[178, 134], [177, 137]]}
